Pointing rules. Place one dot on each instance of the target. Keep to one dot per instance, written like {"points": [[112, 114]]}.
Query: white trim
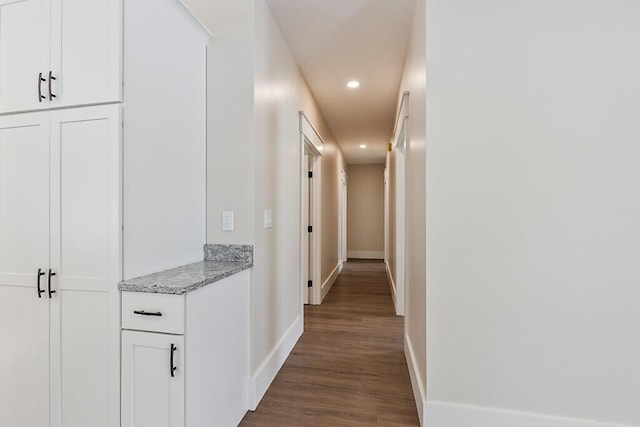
{"points": [[386, 214], [326, 286], [260, 382], [366, 254], [416, 383], [310, 133], [403, 114], [440, 414], [392, 285]]}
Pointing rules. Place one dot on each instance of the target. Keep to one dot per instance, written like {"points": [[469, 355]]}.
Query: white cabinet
{"points": [[154, 383], [24, 362], [56, 53], [59, 267], [211, 356], [24, 248], [61, 199], [24, 52]]}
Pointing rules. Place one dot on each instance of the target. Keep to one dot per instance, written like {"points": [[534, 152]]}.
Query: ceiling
{"points": [[334, 41]]}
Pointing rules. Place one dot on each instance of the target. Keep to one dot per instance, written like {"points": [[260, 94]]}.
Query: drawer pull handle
{"points": [[146, 313], [173, 368]]}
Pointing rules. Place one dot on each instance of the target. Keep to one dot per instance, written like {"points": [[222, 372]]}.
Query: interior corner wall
{"points": [[533, 208], [365, 216], [165, 179], [230, 97]]}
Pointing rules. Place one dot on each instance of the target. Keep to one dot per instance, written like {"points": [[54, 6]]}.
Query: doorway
{"points": [[310, 214], [307, 218], [342, 220]]}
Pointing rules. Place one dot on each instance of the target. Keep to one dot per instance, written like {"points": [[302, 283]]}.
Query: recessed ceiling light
{"points": [[353, 84], [363, 145]]}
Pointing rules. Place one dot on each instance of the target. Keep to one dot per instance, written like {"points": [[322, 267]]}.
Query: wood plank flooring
{"points": [[348, 369]]}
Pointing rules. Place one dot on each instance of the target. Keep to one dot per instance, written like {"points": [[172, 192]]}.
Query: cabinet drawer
{"points": [[153, 312]]}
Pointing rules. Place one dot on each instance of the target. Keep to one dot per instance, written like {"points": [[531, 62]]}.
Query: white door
{"points": [[86, 51], [24, 53], [85, 256], [307, 259], [400, 215], [24, 249], [343, 216], [152, 390]]}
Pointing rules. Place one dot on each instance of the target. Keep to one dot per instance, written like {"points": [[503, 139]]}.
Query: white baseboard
{"points": [[366, 254], [450, 415], [416, 382], [326, 286], [260, 382], [392, 284]]}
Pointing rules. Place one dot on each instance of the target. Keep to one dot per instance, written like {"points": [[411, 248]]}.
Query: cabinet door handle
{"points": [[51, 292], [146, 313], [173, 368], [51, 95], [40, 95], [40, 274]]}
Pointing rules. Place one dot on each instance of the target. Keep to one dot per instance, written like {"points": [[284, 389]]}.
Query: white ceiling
{"points": [[334, 41]]}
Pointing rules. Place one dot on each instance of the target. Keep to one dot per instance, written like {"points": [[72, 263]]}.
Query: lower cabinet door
{"points": [[24, 361], [152, 379]]}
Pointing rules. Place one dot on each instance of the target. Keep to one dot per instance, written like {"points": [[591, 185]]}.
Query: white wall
{"points": [[532, 209], [164, 137], [414, 82], [365, 216]]}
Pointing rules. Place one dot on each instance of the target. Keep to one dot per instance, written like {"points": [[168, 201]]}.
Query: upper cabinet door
{"points": [[59, 53], [86, 52], [24, 54]]}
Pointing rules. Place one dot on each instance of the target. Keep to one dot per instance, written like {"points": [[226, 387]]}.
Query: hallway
{"points": [[348, 368]]}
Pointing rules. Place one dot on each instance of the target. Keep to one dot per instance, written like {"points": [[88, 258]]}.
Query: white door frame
{"points": [[386, 216], [311, 143], [400, 145]]}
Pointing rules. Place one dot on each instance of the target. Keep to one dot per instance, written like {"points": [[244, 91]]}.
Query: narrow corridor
{"points": [[348, 369]]}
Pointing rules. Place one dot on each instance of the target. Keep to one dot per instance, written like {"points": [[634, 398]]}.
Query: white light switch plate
{"points": [[227, 221], [268, 222]]}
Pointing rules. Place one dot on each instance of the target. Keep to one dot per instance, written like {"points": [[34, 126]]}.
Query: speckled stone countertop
{"points": [[220, 261], [185, 279]]}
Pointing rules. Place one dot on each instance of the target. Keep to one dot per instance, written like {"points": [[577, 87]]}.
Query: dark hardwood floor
{"points": [[348, 369]]}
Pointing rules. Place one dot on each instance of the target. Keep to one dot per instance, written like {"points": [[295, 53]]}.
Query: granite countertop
{"points": [[188, 278]]}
